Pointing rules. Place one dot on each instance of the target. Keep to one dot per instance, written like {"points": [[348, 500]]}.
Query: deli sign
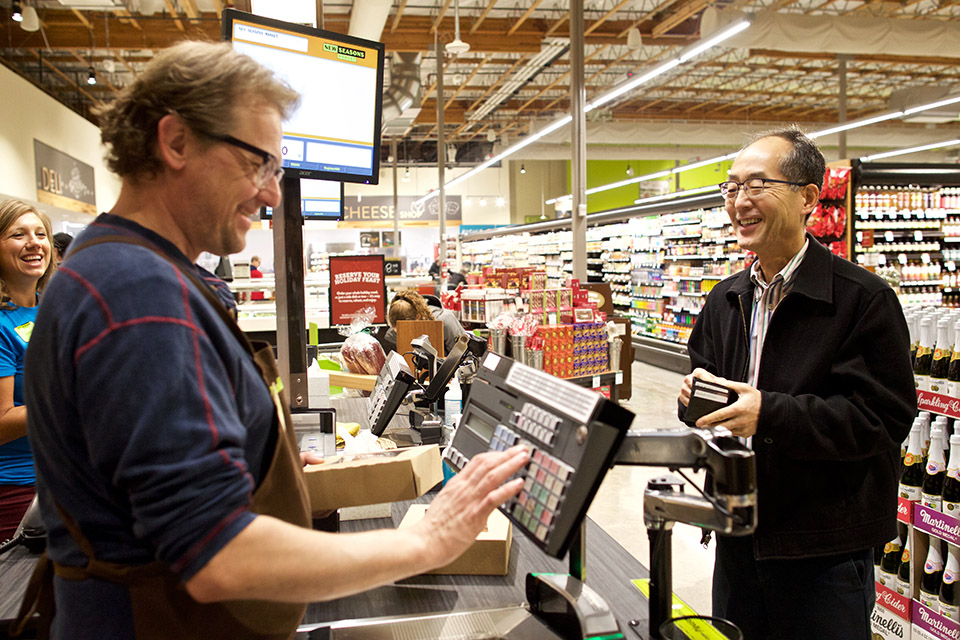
{"points": [[63, 181], [377, 211]]}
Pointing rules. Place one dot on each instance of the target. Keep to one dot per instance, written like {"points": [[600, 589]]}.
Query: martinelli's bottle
{"points": [[924, 358], [950, 498], [904, 587], [953, 370], [934, 472], [949, 591], [941, 357], [932, 578], [890, 564], [911, 478]]}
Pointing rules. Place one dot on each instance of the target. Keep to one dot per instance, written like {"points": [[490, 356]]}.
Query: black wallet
{"points": [[707, 397]]}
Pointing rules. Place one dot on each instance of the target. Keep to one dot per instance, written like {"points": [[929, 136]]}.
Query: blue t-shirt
{"points": [[16, 326]]}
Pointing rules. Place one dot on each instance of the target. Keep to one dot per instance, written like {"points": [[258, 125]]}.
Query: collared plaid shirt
{"points": [[766, 297]]}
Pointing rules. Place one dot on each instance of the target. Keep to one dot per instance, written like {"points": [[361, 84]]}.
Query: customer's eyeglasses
{"points": [[268, 170], [752, 187]]}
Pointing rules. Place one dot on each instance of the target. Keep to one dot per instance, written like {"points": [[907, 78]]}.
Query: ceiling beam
{"points": [[190, 8], [89, 64], [62, 75], [82, 18], [218, 8], [398, 15], [680, 14], [497, 82], [173, 12], [523, 18], [556, 25], [443, 11], [483, 16], [603, 18]]}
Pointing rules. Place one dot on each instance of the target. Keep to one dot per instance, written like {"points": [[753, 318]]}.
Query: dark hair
{"points": [[202, 83], [805, 163], [61, 241]]}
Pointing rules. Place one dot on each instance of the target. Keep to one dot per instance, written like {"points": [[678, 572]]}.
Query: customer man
{"points": [[817, 349], [167, 477]]}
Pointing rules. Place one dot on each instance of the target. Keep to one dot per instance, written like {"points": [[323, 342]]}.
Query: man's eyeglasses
{"points": [[268, 170], [752, 187]]}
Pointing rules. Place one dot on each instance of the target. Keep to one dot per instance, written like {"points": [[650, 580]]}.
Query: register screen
{"points": [[336, 129]]}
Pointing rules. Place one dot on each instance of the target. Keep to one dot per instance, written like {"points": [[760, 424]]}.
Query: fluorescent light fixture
{"points": [[846, 126], [729, 32], [677, 194], [932, 105], [903, 152], [631, 84]]}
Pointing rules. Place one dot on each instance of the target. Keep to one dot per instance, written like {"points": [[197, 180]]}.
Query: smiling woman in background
{"points": [[25, 267]]}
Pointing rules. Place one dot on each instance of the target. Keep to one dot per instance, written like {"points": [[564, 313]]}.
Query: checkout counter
{"points": [[566, 577]]}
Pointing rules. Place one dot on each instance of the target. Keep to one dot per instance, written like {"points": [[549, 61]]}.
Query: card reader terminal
{"points": [[391, 388], [572, 434]]}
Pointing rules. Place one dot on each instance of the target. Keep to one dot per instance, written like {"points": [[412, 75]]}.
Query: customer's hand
{"points": [[741, 417], [687, 387], [460, 511]]}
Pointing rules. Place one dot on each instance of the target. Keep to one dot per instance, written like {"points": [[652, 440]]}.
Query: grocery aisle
{"points": [[618, 507]]}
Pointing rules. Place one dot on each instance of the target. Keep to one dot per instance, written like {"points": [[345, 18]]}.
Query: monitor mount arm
{"points": [[729, 505]]}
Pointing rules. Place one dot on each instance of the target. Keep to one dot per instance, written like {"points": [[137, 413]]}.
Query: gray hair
{"points": [[201, 82], [804, 163]]}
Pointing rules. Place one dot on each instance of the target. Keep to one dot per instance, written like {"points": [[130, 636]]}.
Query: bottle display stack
{"points": [[917, 571]]}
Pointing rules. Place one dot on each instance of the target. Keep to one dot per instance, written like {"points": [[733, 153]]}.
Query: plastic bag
{"points": [[360, 351]]}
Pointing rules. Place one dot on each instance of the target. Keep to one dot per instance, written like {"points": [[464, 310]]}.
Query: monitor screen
{"points": [[319, 200], [335, 132]]}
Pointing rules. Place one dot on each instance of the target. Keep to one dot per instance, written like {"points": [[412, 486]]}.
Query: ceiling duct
{"points": [[401, 100], [549, 53]]}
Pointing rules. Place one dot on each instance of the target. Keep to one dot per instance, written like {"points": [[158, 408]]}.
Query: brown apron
{"points": [[162, 607]]}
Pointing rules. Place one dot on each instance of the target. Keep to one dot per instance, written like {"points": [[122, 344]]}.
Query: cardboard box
{"points": [[887, 625], [489, 555], [385, 476]]}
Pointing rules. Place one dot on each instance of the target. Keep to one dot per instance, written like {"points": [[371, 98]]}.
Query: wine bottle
{"points": [[953, 370], [924, 357], [904, 587], [913, 329], [911, 478], [949, 592], [890, 564], [932, 577], [950, 497], [924, 435], [877, 559], [941, 356], [934, 472]]}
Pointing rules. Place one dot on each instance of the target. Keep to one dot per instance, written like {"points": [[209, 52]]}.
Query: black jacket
{"points": [[837, 399]]}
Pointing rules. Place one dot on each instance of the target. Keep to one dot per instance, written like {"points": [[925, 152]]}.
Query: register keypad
{"points": [[536, 422], [544, 489]]}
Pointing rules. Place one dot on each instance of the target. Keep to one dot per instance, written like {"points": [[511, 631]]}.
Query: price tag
{"points": [[918, 235], [925, 258], [619, 377], [902, 258], [888, 236], [595, 382]]}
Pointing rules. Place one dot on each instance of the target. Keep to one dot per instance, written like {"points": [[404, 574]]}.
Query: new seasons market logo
{"points": [[344, 53]]}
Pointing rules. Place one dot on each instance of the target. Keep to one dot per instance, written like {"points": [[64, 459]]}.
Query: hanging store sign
{"points": [[377, 211], [63, 181], [357, 288]]}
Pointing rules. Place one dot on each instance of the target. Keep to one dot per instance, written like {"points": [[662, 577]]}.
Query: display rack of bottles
{"points": [[910, 229]]}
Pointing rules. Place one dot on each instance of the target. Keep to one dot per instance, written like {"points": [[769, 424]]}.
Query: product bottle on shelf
{"points": [[904, 587], [935, 470], [953, 370], [877, 559], [950, 498], [949, 592], [911, 479], [941, 356], [932, 578], [924, 434], [890, 565], [924, 358]]}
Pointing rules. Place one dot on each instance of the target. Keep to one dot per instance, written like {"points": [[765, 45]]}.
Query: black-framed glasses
{"points": [[752, 187], [268, 170]]}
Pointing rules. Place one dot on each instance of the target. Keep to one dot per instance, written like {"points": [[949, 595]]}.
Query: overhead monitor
{"points": [[319, 200], [335, 132]]}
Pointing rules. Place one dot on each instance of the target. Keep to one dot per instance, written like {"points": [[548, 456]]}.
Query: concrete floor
{"points": [[618, 506]]}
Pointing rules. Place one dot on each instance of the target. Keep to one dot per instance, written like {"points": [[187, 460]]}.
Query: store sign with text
{"points": [[357, 289], [377, 211], [63, 181]]}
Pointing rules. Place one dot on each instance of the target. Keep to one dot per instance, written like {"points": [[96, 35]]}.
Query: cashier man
{"points": [[171, 490], [817, 349]]}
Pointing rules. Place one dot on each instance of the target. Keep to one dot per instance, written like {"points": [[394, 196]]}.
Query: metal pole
{"points": [[396, 201], [578, 167], [441, 151], [842, 109], [291, 309]]}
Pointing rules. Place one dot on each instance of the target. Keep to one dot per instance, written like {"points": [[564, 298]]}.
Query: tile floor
{"points": [[618, 506]]}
